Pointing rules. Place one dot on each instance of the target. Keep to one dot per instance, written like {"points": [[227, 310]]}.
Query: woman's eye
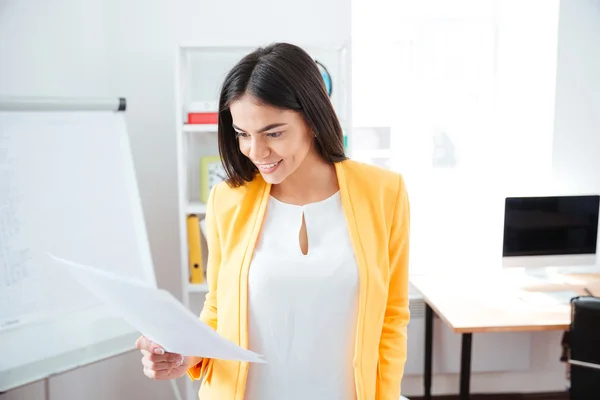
{"points": [[274, 134], [241, 134]]}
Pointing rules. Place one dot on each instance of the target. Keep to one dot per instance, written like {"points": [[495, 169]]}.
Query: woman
{"points": [[308, 251]]}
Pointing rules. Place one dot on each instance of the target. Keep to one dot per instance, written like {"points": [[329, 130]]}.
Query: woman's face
{"points": [[276, 141]]}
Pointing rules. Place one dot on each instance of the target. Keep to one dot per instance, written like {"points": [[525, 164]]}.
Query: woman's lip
{"points": [[268, 168]]}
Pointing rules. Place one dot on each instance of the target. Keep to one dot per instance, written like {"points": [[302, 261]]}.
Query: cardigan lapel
{"points": [[259, 192], [348, 203], [261, 197]]}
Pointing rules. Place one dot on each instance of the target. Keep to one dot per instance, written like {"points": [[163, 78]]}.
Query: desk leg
{"points": [[428, 350], [465, 365]]}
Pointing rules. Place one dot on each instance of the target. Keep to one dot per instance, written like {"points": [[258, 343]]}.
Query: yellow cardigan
{"points": [[376, 206]]}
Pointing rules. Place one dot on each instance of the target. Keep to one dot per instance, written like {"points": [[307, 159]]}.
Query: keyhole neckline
{"points": [[302, 206]]}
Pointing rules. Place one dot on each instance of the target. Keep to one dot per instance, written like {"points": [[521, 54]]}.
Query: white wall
{"points": [[127, 48], [576, 166], [577, 113]]}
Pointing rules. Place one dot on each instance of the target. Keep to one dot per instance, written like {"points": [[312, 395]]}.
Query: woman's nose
{"points": [[258, 150]]}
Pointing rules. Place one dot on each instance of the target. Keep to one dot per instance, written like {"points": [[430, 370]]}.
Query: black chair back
{"points": [[584, 348]]}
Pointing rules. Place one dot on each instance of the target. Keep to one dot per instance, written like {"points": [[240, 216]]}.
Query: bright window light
{"points": [[466, 89]]}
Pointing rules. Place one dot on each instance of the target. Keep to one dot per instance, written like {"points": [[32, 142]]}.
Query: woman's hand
{"points": [[161, 365]]}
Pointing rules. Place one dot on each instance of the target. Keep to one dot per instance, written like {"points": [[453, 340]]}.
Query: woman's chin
{"points": [[273, 179]]}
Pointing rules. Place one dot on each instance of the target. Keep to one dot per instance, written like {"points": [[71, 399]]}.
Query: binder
{"points": [[203, 118], [194, 250]]}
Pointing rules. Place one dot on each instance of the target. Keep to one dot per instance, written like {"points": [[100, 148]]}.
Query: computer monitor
{"points": [[550, 231]]}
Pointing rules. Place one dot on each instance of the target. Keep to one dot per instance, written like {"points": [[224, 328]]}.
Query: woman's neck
{"points": [[314, 180]]}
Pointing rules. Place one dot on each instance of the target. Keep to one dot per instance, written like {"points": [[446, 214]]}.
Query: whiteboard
{"points": [[67, 186]]}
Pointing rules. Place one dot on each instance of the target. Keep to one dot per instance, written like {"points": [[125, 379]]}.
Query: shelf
{"points": [[196, 207], [200, 128], [197, 288]]}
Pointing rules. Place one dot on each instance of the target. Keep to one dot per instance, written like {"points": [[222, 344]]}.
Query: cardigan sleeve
{"points": [[209, 311], [393, 343]]}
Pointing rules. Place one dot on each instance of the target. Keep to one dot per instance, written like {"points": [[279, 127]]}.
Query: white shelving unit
{"points": [[196, 207], [200, 70], [200, 128], [197, 288]]}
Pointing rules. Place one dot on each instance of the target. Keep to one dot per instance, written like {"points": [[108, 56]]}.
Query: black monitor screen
{"points": [[550, 225]]}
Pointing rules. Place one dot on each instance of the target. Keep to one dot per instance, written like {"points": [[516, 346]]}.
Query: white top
{"points": [[302, 309]]}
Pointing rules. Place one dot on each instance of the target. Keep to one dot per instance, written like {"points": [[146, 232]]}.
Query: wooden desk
{"points": [[493, 303]]}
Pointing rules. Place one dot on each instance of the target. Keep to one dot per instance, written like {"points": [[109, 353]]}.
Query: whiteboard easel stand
{"points": [[16, 103]]}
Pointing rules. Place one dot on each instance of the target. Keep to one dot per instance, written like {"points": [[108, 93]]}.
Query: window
{"points": [[466, 89]]}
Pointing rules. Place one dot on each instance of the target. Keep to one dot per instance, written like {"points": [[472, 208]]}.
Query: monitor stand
{"points": [[581, 263]]}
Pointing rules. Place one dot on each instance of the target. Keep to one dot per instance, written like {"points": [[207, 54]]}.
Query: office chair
{"points": [[582, 344]]}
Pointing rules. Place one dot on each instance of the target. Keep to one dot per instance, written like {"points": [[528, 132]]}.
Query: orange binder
{"points": [[194, 250]]}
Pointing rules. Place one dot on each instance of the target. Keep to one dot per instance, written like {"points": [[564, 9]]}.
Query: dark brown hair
{"points": [[281, 75]]}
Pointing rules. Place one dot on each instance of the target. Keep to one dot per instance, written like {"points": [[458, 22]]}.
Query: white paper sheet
{"points": [[156, 314]]}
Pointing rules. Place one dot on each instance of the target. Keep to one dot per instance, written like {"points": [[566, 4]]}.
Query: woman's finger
{"points": [[156, 349], [145, 353], [155, 366], [143, 343], [155, 362], [168, 357], [157, 375], [154, 357]]}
